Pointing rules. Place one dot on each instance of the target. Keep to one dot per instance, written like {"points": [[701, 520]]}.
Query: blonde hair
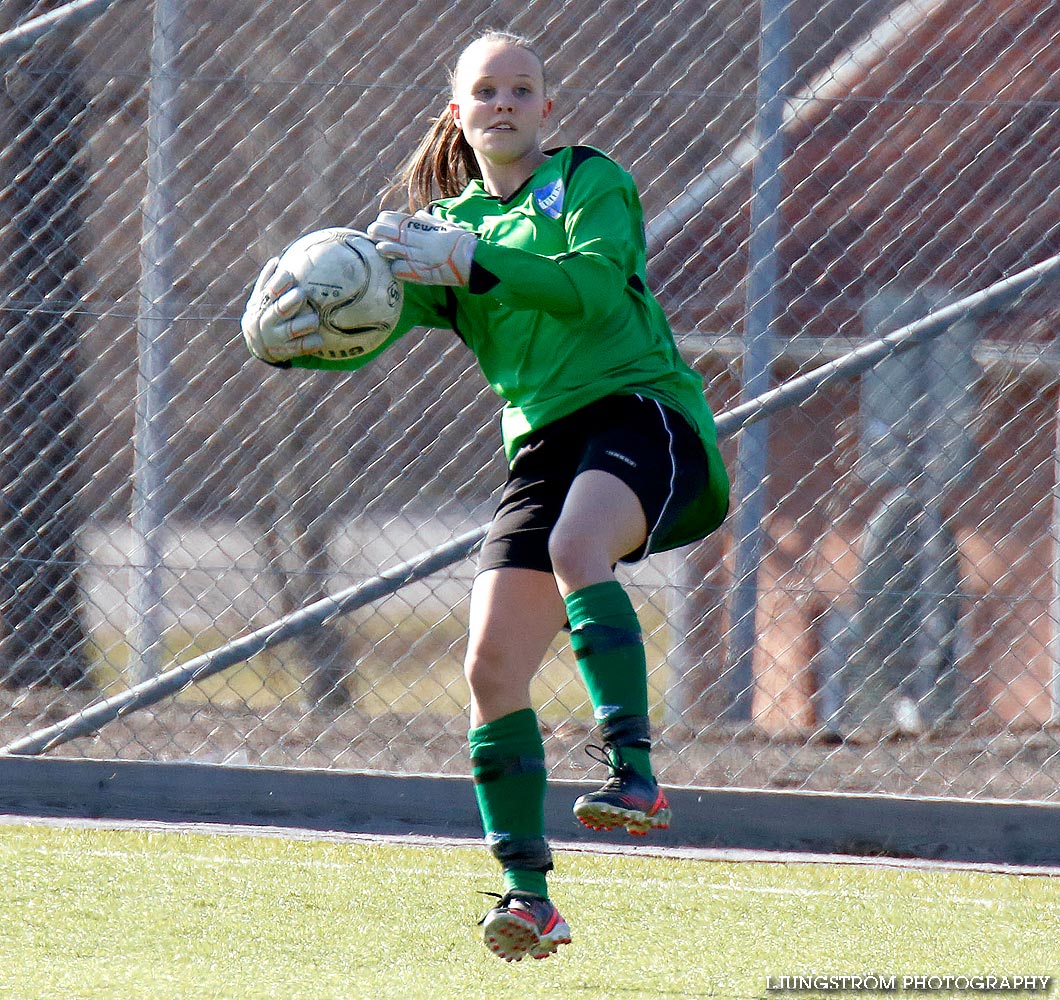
{"points": [[443, 163]]}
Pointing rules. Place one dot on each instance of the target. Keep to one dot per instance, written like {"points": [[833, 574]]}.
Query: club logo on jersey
{"points": [[549, 199]]}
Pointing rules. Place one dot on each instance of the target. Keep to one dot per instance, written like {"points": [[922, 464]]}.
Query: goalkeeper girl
{"points": [[535, 258]]}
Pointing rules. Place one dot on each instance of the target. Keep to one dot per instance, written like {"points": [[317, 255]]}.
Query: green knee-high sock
{"points": [[605, 636], [508, 768]]}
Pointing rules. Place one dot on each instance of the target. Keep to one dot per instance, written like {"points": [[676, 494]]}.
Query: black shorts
{"points": [[650, 447]]}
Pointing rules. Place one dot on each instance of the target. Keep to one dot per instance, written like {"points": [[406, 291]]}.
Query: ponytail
{"points": [[441, 166]]}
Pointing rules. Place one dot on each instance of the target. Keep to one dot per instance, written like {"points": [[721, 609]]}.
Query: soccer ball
{"points": [[350, 288]]}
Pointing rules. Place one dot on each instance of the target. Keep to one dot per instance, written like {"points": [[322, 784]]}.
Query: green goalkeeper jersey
{"points": [[557, 311]]}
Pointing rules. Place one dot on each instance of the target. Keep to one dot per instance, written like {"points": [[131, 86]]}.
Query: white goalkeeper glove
{"points": [[423, 248], [277, 323]]}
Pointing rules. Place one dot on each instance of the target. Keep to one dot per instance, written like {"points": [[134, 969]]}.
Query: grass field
{"points": [[148, 915]]}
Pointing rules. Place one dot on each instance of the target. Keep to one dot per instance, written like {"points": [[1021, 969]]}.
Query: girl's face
{"points": [[499, 103]]}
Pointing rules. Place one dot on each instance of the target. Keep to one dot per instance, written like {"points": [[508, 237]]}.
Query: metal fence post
{"points": [[749, 494], [155, 315]]}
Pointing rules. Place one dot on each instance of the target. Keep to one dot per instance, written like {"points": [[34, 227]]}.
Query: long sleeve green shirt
{"points": [[558, 312]]}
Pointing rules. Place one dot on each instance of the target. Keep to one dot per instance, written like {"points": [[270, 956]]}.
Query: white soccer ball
{"points": [[350, 288]]}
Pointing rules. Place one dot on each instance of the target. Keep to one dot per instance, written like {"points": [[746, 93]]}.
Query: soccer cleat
{"points": [[626, 800], [521, 924]]}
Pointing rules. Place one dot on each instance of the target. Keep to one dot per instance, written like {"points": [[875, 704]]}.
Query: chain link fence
{"points": [[881, 611]]}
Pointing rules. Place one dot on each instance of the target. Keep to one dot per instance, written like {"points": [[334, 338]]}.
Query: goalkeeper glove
{"points": [[277, 323], [423, 248]]}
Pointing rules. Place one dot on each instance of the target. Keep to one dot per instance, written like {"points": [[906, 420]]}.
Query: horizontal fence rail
{"points": [[67, 16]]}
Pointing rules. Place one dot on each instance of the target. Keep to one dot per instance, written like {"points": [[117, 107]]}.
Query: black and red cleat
{"points": [[627, 800], [522, 924]]}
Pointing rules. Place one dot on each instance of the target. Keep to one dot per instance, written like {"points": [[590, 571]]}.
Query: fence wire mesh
{"points": [[880, 613]]}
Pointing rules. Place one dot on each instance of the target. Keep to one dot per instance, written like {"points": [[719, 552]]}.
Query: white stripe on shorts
{"points": [[673, 474]]}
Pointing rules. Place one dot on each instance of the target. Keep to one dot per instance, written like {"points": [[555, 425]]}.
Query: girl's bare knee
{"points": [[484, 667], [577, 561]]}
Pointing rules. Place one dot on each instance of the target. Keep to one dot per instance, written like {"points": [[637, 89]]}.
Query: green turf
{"points": [[126, 915]]}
